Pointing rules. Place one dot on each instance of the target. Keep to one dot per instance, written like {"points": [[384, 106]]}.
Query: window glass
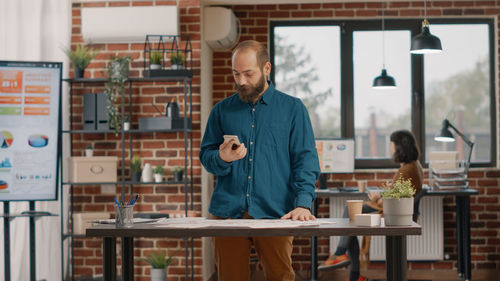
{"points": [[307, 65], [379, 112], [457, 87]]}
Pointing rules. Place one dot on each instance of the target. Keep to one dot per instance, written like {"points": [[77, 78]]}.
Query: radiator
{"points": [[425, 247]]}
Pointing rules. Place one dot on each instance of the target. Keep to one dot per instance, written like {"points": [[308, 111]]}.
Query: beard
{"points": [[250, 93]]}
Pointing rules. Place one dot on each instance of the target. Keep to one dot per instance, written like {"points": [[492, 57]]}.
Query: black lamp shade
{"points": [[384, 81], [425, 43], [444, 134]]}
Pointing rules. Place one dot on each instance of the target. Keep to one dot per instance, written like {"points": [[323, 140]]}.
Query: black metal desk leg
{"points": [[109, 258], [128, 258], [459, 229], [395, 254], [463, 250], [314, 248]]}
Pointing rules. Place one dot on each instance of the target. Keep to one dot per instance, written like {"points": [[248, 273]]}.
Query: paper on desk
{"points": [[236, 223]]}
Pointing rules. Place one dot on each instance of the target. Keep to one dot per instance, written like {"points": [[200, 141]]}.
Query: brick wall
{"points": [[165, 149], [485, 208]]}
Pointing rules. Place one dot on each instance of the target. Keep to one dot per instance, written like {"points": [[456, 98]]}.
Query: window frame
{"points": [[347, 28]]}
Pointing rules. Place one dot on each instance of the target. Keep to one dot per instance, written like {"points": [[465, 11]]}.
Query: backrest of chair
{"points": [[416, 203]]}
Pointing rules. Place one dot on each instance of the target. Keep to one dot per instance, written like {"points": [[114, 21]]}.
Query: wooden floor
{"points": [[434, 275]]}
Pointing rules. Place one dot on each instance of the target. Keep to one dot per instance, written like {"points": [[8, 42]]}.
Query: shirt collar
{"points": [[266, 98]]}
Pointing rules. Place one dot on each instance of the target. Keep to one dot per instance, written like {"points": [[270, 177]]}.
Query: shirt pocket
{"points": [[276, 135]]}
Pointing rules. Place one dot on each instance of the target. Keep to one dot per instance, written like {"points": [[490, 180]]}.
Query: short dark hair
{"points": [[259, 48], [406, 146]]}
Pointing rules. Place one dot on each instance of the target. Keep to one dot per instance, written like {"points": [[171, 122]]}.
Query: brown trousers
{"points": [[232, 256]]}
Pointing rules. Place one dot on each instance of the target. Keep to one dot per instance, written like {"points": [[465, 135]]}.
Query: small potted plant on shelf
{"points": [[158, 173], [178, 172], [177, 60], [159, 263], [89, 152], [155, 60], [398, 203], [135, 168], [80, 57]]}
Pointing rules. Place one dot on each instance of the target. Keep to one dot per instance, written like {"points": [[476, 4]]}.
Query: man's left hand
{"points": [[299, 213]]}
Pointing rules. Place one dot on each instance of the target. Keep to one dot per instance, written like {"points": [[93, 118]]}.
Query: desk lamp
{"points": [[446, 136]]}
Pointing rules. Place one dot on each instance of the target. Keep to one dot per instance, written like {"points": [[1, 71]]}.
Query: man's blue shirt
{"points": [[281, 166]]}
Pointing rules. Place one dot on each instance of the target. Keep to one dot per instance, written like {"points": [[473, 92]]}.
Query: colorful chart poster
{"points": [[336, 155], [30, 96]]}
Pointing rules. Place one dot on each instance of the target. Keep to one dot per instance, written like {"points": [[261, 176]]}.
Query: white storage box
{"points": [[367, 220], [81, 221], [93, 169]]}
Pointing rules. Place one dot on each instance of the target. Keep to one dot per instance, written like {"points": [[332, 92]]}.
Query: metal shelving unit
{"points": [[179, 76]]}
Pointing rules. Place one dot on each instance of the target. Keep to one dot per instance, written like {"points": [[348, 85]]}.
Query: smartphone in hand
{"points": [[236, 141]]}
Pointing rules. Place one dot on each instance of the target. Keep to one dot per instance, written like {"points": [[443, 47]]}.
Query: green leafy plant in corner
{"points": [[177, 58], [155, 57], [159, 170], [135, 164], [400, 189], [117, 71], [81, 56], [158, 259]]}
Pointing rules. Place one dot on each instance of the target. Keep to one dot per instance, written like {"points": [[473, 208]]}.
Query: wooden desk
{"points": [[395, 239]]}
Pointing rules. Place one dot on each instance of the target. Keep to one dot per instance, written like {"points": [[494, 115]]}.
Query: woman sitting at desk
{"points": [[405, 152]]}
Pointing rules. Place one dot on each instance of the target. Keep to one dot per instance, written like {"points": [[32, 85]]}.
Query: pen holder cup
{"points": [[125, 216]]}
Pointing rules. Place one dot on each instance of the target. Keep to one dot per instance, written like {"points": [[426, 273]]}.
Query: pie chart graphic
{"points": [[38, 141], [3, 184], [6, 139]]}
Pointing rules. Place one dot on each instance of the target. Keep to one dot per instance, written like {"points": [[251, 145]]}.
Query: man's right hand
{"points": [[227, 154]]}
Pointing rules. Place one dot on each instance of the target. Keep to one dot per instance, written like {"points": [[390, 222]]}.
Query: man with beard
{"points": [[271, 174]]}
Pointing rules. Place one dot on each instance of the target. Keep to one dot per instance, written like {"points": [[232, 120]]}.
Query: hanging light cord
{"points": [[383, 36], [425, 22]]}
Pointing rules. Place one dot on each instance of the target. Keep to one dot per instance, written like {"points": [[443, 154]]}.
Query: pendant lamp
{"points": [[383, 81], [425, 42]]}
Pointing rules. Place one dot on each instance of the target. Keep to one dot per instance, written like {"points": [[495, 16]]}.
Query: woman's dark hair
{"points": [[406, 146]]}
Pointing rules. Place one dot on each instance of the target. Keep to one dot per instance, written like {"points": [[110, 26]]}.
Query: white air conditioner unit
{"points": [[222, 28], [128, 24]]}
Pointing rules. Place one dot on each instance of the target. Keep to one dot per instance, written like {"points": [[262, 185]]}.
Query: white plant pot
{"points": [[126, 126], [154, 66], [158, 177], [176, 66], [398, 211], [147, 173], [158, 274], [89, 152]]}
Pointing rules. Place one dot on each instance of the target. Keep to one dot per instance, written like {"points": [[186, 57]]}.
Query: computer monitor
{"points": [[336, 155]]}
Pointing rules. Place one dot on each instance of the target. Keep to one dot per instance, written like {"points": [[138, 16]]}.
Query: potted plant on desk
{"points": [[177, 60], [159, 263], [398, 203]]}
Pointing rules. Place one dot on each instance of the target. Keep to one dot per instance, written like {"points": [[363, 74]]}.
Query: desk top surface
{"points": [[324, 227], [430, 192]]}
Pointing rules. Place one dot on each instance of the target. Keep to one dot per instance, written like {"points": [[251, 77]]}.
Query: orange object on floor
{"points": [[335, 262]]}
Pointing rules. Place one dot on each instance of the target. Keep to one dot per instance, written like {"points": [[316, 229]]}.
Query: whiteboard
{"points": [[30, 94], [336, 155]]}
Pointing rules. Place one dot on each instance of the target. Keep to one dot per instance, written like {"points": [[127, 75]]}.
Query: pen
{"points": [[133, 200], [116, 201]]}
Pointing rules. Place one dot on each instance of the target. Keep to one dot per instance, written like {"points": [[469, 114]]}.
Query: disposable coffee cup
{"points": [[124, 216], [354, 207], [362, 186]]}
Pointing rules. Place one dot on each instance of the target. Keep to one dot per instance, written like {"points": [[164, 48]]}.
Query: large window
{"points": [[331, 65]]}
